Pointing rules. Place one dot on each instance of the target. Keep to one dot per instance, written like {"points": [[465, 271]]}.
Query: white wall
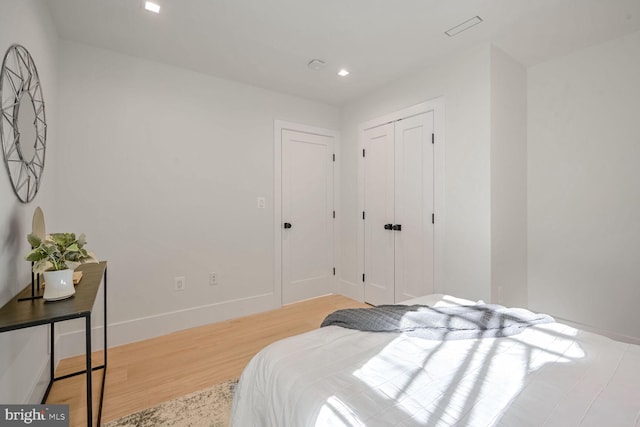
{"points": [[463, 80], [508, 180], [24, 353], [583, 186], [161, 168]]}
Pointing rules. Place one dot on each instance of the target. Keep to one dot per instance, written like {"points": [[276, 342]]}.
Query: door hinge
{"points": [[433, 138], [363, 152], [362, 214], [334, 271], [363, 277], [334, 157], [433, 218], [334, 214]]}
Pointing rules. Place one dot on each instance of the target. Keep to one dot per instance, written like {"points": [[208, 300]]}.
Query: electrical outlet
{"points": [[261, 202], [213, 279], [179, 283]]}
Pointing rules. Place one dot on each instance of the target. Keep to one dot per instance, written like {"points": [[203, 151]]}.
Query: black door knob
{"points": [[397, 227], [287, 225], [388, 226]]}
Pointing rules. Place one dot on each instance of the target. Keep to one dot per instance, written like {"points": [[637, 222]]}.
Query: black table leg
{"points": [[104, 349], [52, 357], [89, 371]]}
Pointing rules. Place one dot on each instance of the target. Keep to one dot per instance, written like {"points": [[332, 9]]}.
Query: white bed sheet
{"points": [[551, 375]]}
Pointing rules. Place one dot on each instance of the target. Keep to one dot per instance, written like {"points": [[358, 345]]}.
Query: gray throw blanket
{"points": [[444, 323]]}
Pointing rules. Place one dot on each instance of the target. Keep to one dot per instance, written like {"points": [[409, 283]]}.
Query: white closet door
{"points": [[307, 205], [378, 202], [414, 247]]}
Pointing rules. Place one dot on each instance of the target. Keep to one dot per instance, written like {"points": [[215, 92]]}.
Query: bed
{"points": [[550, 374]]}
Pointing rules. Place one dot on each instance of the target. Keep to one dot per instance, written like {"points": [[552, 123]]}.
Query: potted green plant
{"points": [[56, 256]]}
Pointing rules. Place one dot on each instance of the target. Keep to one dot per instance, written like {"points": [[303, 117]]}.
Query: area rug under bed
{"points": [[210, 407]]}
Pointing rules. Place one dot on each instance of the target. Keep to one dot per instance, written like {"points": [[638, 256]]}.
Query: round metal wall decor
{"points": [[23, 125]]}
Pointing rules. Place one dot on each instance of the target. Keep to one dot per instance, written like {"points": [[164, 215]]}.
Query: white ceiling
{"points": [[267, 43]]}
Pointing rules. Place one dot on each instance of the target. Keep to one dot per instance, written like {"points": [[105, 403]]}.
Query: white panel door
{"points": [[379, 211], [307, 214], [414, 247]]}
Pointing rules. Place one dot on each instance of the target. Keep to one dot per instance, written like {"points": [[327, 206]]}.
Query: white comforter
{"points": [[551, 375]]}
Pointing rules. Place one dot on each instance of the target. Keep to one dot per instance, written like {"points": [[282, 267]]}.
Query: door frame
{"points": [[436, 106], [279, 126]]}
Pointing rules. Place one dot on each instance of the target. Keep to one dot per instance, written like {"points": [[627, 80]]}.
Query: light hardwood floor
{"points": [[146, 373]]}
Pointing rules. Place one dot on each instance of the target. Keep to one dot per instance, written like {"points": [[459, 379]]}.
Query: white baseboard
{"points": [[40, 383], [24, 365], [352, 290], [73, 343], [609, 334]]}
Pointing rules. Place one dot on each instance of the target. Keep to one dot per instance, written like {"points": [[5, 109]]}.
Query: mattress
{"points": [[551, 375]]}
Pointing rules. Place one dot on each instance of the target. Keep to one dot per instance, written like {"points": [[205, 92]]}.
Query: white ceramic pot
{"points": [[58, 285]]}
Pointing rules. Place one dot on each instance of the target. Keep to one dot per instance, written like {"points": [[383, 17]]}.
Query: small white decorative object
{"points": [[37, 224], [58, 284]]}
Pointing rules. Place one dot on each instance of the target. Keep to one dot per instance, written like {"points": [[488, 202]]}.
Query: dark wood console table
{"points": [[25, 314]]}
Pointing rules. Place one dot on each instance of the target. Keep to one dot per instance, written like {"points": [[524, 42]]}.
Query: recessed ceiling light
{"points": [[152, 7], [316, 64], [343, 73], [464, 26]]}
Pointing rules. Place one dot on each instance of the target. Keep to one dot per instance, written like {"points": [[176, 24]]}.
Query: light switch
{"points": [[261, 202]]}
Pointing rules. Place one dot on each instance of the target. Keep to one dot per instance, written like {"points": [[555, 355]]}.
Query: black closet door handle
{"points": [[388, 226], [287, 225], [397, 227]]}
